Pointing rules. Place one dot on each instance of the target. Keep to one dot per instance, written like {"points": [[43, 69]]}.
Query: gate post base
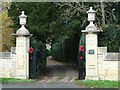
{"points": [[93, 77]]}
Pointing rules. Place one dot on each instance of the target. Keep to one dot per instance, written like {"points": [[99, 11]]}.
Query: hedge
{"points": [[65, 50]]}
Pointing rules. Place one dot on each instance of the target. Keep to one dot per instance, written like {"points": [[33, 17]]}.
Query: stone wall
{"points": [[8, 67], [108, 64]]}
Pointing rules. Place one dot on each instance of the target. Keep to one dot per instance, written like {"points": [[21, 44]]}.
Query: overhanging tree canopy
{"points": [[52, 20]]}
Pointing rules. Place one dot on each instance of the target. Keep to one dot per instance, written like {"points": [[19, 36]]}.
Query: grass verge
{"points": [[97, 84], [13, 80]]}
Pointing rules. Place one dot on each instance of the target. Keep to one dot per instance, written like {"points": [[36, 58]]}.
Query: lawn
{"points": [[97, 84], [13, 80]]}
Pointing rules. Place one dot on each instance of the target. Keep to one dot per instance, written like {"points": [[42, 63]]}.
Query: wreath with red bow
{"points": [[81, 48], [31, 50]]}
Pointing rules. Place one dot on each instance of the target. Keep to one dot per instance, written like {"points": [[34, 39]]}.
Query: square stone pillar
{"points": [[91, 32], [22, 49], [91, 57], [22, 57]]}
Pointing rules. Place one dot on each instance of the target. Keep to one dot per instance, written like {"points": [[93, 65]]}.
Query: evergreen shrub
{"points": [[110, 38]]}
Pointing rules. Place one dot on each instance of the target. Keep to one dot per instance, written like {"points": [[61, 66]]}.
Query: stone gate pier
{"points": [[98, 67], [91, 32], [16, 65], [22, 49]]}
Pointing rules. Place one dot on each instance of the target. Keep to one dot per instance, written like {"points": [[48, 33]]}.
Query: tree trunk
{"points": [[103, 13]]}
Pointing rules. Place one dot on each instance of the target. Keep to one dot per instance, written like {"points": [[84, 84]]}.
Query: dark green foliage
{"points": [[41, 16], [110, 38], [49, 53], [48, 20], [57, 50], [65, 50], [38, 63], [70, 50], [117, 7]]}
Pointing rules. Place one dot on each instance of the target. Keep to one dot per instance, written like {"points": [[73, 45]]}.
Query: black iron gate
{"points": [[81, 58], [37, 59]]}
